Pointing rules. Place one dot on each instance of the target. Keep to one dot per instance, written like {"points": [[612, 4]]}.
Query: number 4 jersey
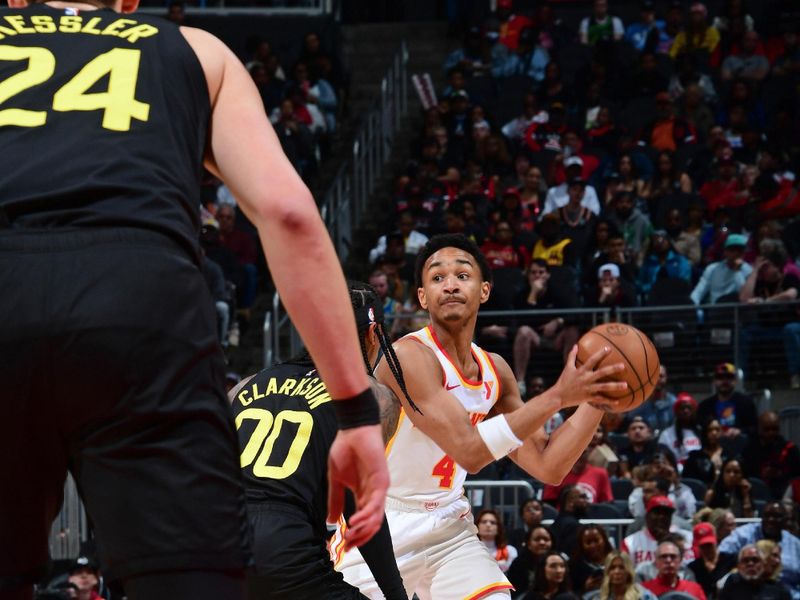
{"points": [[286, 425], [420, 471], [104, 116]]}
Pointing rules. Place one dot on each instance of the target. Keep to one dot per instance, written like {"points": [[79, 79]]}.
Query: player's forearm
{"points": [[307, 273], [551, 463], [568, 442], [532, 416]]}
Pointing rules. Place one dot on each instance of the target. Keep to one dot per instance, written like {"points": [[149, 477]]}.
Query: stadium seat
{"points": [[698, 487], [621, 488], [549, 512], [790, 423], [622, 507], [759, 489], [606, 510], [617, 440]]}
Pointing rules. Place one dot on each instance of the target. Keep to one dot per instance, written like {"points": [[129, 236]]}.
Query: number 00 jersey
{"points": [[286, 424], [420, 471], [103, 117]]}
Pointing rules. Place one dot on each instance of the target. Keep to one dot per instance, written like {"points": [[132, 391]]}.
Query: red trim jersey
{"points": [[420, 470]]}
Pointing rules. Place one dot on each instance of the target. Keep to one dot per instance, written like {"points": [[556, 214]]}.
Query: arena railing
{"points": [[345, 203], [301, 8]]}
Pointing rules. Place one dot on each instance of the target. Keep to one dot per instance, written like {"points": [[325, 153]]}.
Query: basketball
{"points": [[632, 348]]}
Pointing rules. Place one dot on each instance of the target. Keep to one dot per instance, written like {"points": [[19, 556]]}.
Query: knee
{"points": [[524, 333]]}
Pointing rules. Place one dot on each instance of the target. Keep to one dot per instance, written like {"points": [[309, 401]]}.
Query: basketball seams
{"points": [[630, 391], [633, 368], [625, 356]]}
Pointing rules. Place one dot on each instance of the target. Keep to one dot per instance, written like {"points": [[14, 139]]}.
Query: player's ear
{"points": [[423, 302], [129, 6], [486, 289]]}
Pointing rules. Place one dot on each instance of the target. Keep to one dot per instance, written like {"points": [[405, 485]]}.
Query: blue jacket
{"points": [[676, 266]]}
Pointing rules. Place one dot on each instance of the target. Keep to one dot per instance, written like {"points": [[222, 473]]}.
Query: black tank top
{"points": [[103, 121], [286, 425]]}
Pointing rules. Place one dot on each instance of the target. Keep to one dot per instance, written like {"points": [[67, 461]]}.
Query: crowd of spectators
{"points": [[615, 163], [303, 102], [680, 472]]}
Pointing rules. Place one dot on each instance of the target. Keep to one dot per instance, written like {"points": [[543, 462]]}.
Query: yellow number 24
{"points": [[118, 102]]}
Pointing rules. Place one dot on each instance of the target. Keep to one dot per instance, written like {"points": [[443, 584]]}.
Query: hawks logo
{"points": [[617, 329]]}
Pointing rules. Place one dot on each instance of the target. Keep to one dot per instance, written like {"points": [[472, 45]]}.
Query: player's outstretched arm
{"points": [[550, 458], [245, 152]]}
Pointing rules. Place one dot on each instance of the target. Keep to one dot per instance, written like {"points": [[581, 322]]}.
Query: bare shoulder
{"points": [[421, 369], [213, 54]]}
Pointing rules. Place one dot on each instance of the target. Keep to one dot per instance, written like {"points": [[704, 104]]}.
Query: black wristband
{"points": [[357, 411]]}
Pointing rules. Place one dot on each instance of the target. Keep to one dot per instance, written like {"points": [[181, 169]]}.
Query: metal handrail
{"points": [[347, 198]]}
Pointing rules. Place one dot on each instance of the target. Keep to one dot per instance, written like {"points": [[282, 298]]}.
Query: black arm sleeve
{"points": [[378, 553]]}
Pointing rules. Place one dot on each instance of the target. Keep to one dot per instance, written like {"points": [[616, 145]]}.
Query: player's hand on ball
{"points": [[357, 461], [583, 384]]}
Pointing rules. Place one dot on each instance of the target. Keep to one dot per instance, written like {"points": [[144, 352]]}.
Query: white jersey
{"points": [[420, 471]]}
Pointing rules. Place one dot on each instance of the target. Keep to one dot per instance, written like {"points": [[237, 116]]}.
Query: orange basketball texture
{"points": [[632, 348]]}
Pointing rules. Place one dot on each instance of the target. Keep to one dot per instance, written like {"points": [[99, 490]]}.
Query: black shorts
{"points": [[110, 367], [292, 562]]}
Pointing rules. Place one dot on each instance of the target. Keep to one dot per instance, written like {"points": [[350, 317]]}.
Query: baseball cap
{"points": [[703, 533], [573, 160], [660, 233], [725, 370], [684, 398], [610, 267], [660, 502], [83, 562], [736, 239]]}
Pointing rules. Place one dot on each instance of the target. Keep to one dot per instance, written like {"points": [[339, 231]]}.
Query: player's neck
{"points": [[78, 5], [456, 339]]}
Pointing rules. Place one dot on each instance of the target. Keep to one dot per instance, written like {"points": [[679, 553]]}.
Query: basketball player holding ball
{"points": [[470, 414]]}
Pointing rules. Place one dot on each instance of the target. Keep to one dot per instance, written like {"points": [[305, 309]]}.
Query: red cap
{"points": [[703, 533], [660, 502], [684, 398]]}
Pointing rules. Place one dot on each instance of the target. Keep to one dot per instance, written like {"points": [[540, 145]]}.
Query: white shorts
{"points": [[438, 553]]}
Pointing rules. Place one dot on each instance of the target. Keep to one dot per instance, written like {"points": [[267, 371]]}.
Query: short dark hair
{"points": [[451, 240]]}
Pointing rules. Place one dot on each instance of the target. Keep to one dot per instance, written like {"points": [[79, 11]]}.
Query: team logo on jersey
{"points": [[488, 385]]}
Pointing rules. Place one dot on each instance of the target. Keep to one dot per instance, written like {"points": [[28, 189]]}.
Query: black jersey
{"points": [[286, 424], [103, 121]]}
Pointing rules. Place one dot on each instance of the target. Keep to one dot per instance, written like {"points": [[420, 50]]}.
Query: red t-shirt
{"points": [[501, 256], [592, 480], [718, 193], [659, 587]]}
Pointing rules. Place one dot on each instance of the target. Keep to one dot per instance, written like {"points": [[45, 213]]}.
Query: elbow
{"points": [[293, 213], [553, 476]]}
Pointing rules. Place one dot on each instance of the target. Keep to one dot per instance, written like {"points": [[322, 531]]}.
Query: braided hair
{"points": [[368, 309]]}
